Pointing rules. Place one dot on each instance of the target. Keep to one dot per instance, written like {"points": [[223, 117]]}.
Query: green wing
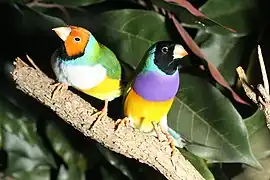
{"points": [[137, 71], [110, 62]]}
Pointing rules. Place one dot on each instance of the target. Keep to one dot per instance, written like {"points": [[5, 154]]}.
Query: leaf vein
{"points": [[217, 132], [132, 19]]}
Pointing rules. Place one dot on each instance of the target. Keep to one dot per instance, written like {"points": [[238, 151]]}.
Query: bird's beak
{"points": [[179, 52], [62, 32]]}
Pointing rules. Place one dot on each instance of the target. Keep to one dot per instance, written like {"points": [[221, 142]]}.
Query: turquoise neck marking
{"points": [[87, 58], [151, 66]]}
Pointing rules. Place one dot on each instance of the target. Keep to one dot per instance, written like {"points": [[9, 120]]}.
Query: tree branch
{"points": [[126, 140], [264, 74], [260, 96]]}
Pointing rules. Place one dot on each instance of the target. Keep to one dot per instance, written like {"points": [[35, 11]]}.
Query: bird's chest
{"points": [[154, 87], [79, 76]]}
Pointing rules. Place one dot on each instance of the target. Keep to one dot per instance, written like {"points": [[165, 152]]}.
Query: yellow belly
{"points": [[143, 112], [108, 89]]}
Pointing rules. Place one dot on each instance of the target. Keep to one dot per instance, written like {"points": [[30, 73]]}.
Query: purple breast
{"points": [[153, 86]]}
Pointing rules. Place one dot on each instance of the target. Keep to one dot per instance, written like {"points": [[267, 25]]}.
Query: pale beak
{"points": [[179, 52], [62, 32]]}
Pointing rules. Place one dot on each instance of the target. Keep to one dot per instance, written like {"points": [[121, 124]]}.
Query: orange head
{"points": [[75, 39]]}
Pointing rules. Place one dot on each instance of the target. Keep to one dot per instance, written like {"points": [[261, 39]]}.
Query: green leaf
{"points": [[63, 148], [241, 15], [19, 136], [36, 173], [73, 172], [129, 168], [225, 52], [190, 20], [22, 156], [259, 134], [29, 20], [108, 174], [116, 160], [77, 2], [202, 114], [199, 164], [197, 51], [250, 173], [129, 33]]}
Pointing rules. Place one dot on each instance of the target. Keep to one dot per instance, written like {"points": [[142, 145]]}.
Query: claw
{"points": [[120, 122], [170, 140], [103, 113], [168, 136], [157, 131], [58, 87]]}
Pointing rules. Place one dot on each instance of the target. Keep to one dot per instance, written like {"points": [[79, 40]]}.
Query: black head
{"points": [[168, 55]]}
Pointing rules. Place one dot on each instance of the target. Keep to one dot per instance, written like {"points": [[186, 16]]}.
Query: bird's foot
{"points": [[101, 114], [169, 138], [158, 131], [119, 122], [58, 87]]}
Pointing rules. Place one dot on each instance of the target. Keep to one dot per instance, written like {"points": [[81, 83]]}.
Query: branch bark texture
{"points": [[126, 140]]}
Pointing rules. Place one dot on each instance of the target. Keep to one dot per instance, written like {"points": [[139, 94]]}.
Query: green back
{"points": [[110, 62], [140, 67]]}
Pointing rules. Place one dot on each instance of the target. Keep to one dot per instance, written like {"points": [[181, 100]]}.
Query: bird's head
{"points": [[165, 56], [75, 39]]}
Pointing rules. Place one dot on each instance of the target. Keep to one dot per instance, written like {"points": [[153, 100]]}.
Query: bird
{"points": [[150, 93], [87, 65]]}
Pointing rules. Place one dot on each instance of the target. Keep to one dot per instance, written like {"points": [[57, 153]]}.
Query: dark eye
{"points": [[77, 39], [164, 50]]}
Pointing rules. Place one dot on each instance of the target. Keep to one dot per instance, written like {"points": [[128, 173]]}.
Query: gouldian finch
{"points": [[151, 92], [86, 65]]}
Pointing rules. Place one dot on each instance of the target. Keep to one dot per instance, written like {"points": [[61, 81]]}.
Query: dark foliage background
{"points": [[36, 144]]}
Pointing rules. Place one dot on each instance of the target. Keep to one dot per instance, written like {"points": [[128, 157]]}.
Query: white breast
{"points": [[78, 76]]}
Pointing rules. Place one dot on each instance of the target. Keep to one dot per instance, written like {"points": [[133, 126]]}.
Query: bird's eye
{"points": [[77, 39], [164, 50]]}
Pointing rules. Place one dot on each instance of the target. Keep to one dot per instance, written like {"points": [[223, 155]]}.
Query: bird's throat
{"points": [[90, 51]]}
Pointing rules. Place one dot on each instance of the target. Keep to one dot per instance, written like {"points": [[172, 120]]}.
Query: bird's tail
{"points": [[180, 141]]}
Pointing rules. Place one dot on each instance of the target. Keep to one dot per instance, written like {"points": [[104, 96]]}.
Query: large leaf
{"points": [[116, 160], [259, 134], [77, 2], [64, 149], [225, 52], [259, 137], [241, 15], [22, 156], [20, 139], [129, 33], [196, 50], [203, 114], [36, 173], [191, 17], [28, 20], [132, 169], [73, 172], [250, 173], [199, 164]]}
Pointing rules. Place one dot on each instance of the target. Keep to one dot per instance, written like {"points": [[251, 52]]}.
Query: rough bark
{"points": [[126, 140]]}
